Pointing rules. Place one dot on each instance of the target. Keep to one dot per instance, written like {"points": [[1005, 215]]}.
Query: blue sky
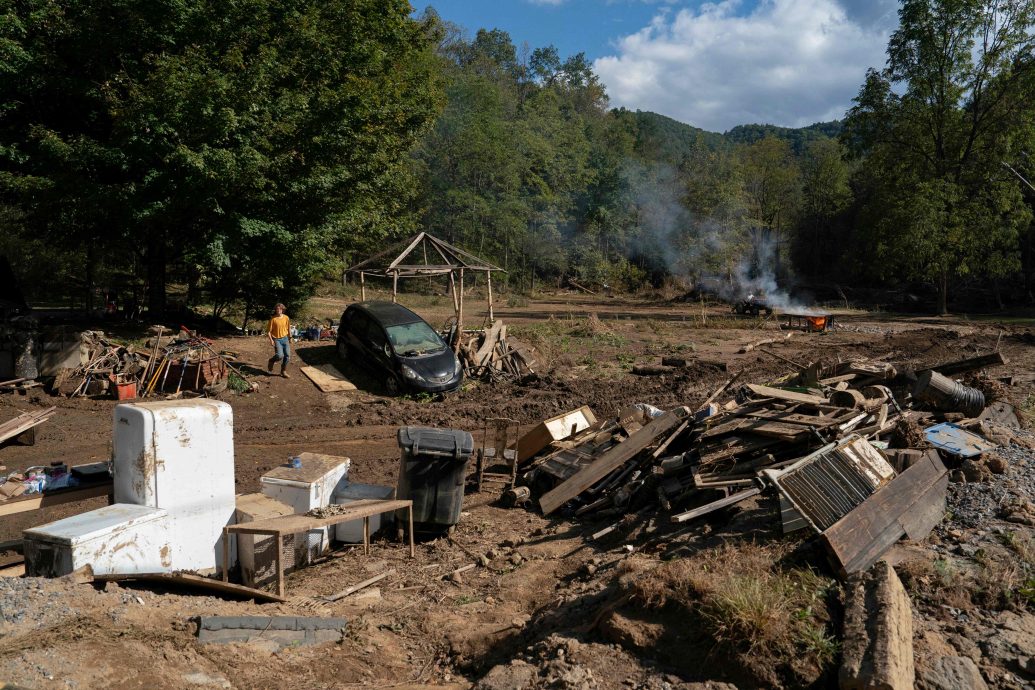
{"points": [[711, 64]]}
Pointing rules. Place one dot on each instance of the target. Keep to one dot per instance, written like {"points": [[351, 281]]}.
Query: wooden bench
{"points": [[278, 527]]}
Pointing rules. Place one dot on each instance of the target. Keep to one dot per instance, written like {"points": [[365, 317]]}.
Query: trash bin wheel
{"points": [[343, 350]]}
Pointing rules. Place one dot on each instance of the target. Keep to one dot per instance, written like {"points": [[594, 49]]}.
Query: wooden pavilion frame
{"points": [[411, 260]]}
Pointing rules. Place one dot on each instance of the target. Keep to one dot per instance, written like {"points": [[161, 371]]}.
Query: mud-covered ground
{"points": [[549, 610]]}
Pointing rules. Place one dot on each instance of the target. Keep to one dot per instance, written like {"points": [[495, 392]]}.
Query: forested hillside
{"points": [[249, 153]]}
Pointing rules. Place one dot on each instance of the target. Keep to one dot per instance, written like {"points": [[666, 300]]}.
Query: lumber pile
{"points": [[836, 449], [23, 422], [493, 355]]}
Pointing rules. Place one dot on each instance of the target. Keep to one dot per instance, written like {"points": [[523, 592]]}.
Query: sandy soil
{"points": [[535, 601]]}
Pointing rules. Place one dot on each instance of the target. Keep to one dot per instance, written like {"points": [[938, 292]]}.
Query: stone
{"points": [[513, 676], [877, 652], [952, 673], [965, 646], [204, 680], [996, 464]]}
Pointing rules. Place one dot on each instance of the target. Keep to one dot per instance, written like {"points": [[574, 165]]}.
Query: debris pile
{"points": [[184, 363], [492, 355], [829, 447]]}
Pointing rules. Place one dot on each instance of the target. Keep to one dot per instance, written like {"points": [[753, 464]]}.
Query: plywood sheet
{"points": [[328, 379]]}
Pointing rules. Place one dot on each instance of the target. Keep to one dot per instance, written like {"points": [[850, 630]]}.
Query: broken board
{"points": [[611, 459], [909, 505], [328, 379]]}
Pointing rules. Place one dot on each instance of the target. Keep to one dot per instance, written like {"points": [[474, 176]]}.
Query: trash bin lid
{"points": [[420, 440]]}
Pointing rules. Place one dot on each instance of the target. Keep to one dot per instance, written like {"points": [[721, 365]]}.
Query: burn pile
{"points": [[830, 448]]}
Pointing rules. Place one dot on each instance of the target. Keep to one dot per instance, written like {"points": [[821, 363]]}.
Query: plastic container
{"points": [[351, 532], [126, 391], [433, 465]]}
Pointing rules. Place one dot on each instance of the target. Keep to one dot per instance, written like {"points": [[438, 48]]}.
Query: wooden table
{"points": [[278, 527]]}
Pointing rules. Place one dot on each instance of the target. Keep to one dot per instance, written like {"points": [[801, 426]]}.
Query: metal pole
{"points": [[460, 314], [395, 286], [362, 287]]}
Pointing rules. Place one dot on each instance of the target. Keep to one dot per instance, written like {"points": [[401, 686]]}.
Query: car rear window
{"points": [[415, 338]]}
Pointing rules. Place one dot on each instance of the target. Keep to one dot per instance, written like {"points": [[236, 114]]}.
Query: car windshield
{"points": [[417, 338]]}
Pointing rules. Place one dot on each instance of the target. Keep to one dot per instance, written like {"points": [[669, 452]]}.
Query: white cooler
{"points": [[304, 488], [117, 539], [352, 532], [178, 455]]}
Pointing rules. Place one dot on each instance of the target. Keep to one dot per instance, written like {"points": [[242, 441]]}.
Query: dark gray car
{"points": [[400, 346]]}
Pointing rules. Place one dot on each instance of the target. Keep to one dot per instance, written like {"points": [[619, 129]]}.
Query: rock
{"points": [[965, 646], [515, 558], [973, 471], [952, 673], [513, 676], [878, 632], [996, 464], [205, 680]]}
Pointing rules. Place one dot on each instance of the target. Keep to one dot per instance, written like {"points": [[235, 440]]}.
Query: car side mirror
{"points": [[388, 350]]}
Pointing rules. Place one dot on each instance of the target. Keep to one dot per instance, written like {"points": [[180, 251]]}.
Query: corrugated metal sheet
{"points": [[825, 486]]}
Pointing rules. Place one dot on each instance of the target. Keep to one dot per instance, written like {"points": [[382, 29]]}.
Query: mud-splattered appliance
{"points": [[174, 493], [118, 538], [179, 456]]}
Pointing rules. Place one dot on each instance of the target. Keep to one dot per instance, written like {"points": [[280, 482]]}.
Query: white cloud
{"points": [[784, 62]]}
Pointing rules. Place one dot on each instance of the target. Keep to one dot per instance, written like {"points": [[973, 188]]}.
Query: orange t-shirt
{"points": [[280, 326]]}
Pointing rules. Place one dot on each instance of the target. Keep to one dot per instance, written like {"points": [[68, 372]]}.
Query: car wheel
{"points": [[392, 385]]}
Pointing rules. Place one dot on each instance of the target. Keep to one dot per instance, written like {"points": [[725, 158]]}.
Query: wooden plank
{"points": [[192, 580], [26, 503], [786, 417], [611, 460], [292, 524], [328, 381], [358, 586], [492, 337], [861, 537], [781, 394], [962, 366], [715, 505]]}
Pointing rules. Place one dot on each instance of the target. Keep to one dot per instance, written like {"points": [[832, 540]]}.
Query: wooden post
{"points": [[362, 287], [488, 281], [413, 551], [226, 555], [366, 535], [459, 313], [395, 286], [452, 291]]}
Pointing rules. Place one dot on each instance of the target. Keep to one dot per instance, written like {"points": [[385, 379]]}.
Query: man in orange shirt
{"points": [[279, 333]]}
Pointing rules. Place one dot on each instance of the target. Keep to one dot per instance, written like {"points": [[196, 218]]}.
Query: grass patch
{"points": [[773, 619]]}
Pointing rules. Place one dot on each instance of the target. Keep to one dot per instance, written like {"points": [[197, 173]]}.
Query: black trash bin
{"points": [[432, 469]]}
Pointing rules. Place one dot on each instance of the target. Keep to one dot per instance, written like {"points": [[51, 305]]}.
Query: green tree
{"points": [[934, 127], [772, 192], [234, 136]]}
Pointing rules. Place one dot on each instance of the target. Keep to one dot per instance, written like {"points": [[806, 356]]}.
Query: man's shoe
{"points": [[269, 365]]}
